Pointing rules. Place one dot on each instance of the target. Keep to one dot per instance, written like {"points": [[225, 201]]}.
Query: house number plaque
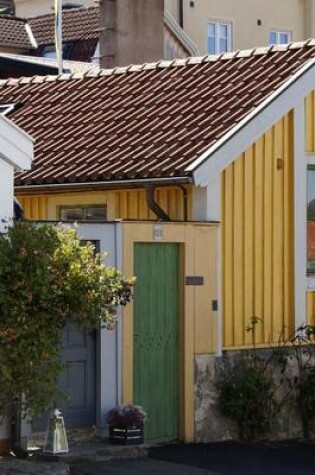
{"points": [[158, 233]]}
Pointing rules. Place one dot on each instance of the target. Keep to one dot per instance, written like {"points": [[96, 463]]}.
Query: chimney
{"points": [[132, 32]]}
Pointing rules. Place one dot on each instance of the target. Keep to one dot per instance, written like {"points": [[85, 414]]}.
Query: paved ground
{"points": [[146, 466], [213, 459]]}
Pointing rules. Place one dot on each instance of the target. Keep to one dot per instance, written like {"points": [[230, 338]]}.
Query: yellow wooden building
{"points": [[228, 141]]}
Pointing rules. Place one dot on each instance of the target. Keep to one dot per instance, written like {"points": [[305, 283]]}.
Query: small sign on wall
{"points": [[158, 232]]}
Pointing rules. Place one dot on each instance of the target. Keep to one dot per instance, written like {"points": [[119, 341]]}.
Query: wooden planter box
{"points": [[126, 435]]}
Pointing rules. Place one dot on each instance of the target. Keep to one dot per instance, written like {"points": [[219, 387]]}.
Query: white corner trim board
{"points": [[300, 215], [16, 146], [255, 124]]}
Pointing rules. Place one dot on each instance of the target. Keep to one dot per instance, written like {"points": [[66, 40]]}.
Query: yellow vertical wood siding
{"points": [[257, 238], [122, 204], [310, 148]]}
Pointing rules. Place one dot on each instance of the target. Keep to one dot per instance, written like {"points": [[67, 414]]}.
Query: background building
{"points": [[224, 25]]}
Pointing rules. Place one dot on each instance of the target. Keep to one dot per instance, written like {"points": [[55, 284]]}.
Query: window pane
{"points": [[311, 220], [211, 29], [71, 214], [223, 31], [95, 214], [283, 38], [223, 45], [211, 45], [211, 38], [272, 38]]}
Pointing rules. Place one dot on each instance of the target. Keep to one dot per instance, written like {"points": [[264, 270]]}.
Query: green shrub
{"points": [[247, 395], [47, 279]]}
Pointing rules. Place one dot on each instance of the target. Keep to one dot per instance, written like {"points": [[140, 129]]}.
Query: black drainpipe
{"points": [[181, 13], [185, 198], [152, 204]]}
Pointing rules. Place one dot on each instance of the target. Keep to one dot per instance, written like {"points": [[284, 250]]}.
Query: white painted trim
{"points": [[16, 145], [248, 130], [300, 214], [119, 336], [31, 36], [220, 296], [214, 214]]}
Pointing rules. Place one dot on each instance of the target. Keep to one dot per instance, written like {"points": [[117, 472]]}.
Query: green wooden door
{"points": [[155, 340]]}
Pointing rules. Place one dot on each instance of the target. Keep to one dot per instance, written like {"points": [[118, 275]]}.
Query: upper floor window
{"points": [[278, 37], [83, 213], [219, 37]]}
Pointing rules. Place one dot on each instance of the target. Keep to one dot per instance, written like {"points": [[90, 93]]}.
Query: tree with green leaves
{"points": [[47, 280]]}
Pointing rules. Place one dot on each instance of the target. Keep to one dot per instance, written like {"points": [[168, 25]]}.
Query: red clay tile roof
{"points": [[13, 33], [149, 121], [77, 24]]}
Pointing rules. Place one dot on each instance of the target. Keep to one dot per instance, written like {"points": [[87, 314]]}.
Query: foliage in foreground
{"points": [[247, 395], [47, 280], [248, 391]]}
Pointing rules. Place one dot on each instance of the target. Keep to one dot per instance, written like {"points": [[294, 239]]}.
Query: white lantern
{"points": [[56, 441]]}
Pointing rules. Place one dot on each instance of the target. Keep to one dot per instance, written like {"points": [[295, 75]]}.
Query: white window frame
{"points": [[278, 32], [217, 24]]}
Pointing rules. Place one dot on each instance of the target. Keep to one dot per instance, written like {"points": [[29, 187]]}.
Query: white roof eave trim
{"points": [[16, 146], [256, 123]]}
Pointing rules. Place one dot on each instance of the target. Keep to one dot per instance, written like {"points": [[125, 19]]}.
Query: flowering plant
{"points": [[126, 416]]}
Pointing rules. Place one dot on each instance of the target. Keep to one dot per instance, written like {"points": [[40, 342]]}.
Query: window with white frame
{"points": [[311, 219], [83, 213], [219, 37], [280, 37]]}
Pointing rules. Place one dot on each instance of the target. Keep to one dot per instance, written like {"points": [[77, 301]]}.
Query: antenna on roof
{"points": [[58, 34]]}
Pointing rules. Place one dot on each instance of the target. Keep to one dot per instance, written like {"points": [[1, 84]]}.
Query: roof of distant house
{"points": [[147, 121], [77, 24], [7, 7], [15, 33]]}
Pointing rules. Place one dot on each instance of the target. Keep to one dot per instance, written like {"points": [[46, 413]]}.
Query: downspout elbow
{"points": [[154, 206]]}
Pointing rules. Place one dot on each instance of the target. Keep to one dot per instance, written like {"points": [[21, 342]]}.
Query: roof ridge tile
{"points": [[229, 55], [245, 53], [196, 59], [121, 70], [279, 48], [261, 50], [297, 44], [166, 63], [134, 68], [149, 66], [179, 62]]}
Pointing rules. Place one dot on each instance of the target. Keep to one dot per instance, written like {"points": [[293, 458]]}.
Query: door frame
{"points": [[179, 323], [188, 235]]}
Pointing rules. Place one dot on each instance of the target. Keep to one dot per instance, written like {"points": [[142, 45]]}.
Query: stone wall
{"points": [[210, 424]]}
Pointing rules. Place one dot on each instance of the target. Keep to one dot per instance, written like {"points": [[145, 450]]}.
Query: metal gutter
{"points": [[111, 184]]}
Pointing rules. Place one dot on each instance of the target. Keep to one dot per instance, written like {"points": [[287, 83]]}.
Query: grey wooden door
{"points": [[78, 377]]}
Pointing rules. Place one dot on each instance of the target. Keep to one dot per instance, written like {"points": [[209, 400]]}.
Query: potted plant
{"points": [[126, 424]]}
